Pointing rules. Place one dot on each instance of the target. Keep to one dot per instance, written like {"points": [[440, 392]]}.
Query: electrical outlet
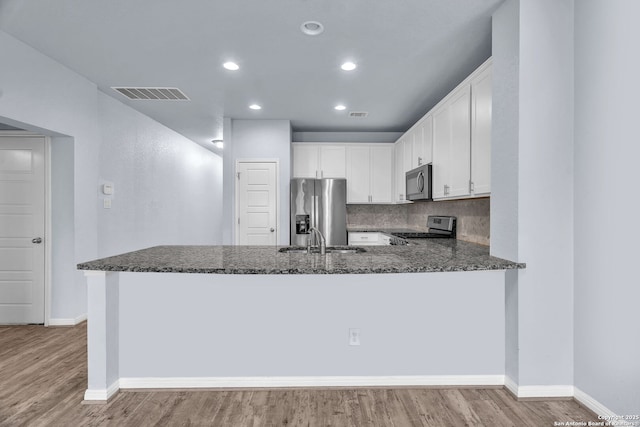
{"points": [[354, 336]]}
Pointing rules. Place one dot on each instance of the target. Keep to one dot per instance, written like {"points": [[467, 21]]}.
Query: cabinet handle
{"points": [[419, 161], [446, 190], [471, 187]]}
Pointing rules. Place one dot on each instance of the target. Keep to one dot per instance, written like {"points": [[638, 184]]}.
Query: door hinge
{"points": [[238, 175]]}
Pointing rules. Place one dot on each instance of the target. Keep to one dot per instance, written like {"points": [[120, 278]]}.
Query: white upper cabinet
{"points": [[333, 161], [399, 172], [358, 174], [370, 173], [481, 133], [305, 160], [319, 161], [381, 161], [441, 150], [460, 144], [422, 142], [462, 139], [413, 149]]}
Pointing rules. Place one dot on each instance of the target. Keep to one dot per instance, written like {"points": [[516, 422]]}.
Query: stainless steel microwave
{"points": [[419, 183]]}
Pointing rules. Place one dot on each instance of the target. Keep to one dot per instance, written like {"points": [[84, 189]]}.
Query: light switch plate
{"points": [[107, 189]]}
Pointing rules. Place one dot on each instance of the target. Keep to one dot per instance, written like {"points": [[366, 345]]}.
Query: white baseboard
{"points": [[102, 394], [592, 403], [538, 391], [511, 385], [68, 322], [342, 381], [530, 391], [545, 391], [558, 391]]}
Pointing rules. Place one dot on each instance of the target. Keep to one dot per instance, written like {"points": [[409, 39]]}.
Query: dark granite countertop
{"points": [[428, 255]]}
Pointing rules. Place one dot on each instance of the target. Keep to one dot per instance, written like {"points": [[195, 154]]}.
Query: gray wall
{"points": [[67, 284], [93, 138], [532, 183], [545, 184], [505, 130], [607, 325], [168, 190], [504, 165], [254, 140], [297, 325]]}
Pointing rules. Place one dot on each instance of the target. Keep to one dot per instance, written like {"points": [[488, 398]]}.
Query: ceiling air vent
{"points": [[358, 114], [152, 93]]}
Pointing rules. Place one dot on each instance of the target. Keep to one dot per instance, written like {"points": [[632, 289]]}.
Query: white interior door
{"points": [[22, 223], [257, 203]]}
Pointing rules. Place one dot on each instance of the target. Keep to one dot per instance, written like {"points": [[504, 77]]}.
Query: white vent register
{"points": [[152, 93]]}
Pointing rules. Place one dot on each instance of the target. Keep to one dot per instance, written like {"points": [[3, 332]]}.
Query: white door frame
{"points": [[47, 215], [236, 226]]}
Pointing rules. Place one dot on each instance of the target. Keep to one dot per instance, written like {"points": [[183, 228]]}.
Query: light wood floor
{"points": [[43, 378]]}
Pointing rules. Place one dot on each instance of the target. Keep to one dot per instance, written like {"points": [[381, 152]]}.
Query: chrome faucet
{"points": [[318, 235]]}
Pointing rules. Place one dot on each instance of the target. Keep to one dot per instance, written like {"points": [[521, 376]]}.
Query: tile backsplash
{"points": [[472, 215]]}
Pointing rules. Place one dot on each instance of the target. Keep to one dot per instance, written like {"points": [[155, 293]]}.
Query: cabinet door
{"points": [[381, 174], [481, 132], [333, 161], [358, 173], [398, 149], [426, 147], [417, 150], [408, 152], [441, 150], [460, 157], [305, 160]]}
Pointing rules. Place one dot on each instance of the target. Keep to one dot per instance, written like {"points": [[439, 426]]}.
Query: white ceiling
{"points": [[409, 53]]}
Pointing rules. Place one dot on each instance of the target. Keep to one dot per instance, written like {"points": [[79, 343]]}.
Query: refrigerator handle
{"points": [[315, 211]]}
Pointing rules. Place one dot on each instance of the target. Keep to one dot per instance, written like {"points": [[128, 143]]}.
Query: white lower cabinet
{"points": [[370, 173], [366, 238]]}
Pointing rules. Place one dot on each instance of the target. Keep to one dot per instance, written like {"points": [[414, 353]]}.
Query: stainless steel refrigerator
{"points": [[320, 203]]}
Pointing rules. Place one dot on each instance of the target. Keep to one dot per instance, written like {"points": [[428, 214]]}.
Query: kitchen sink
{"points": [[330, 250]]}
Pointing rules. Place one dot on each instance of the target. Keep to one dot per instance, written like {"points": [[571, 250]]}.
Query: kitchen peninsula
{"points": [[431, 313]]}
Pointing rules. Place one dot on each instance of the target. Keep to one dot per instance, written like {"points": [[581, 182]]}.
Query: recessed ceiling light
{"points": [[231, 66], [218, 143], [312, 28], [340, 107], [348, 66], [255, 107]]}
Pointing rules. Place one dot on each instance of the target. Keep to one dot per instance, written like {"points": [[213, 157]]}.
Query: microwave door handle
{"points": [[420, 182]]}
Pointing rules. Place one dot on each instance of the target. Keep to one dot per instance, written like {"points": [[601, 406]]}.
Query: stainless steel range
{"points": [[440, 227]]}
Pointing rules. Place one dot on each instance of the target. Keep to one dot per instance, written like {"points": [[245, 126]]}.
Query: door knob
{"points": [[272, 229], [36, 240]]}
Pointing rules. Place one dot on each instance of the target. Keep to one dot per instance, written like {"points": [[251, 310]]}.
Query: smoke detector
{"points": [[312, 28]]}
